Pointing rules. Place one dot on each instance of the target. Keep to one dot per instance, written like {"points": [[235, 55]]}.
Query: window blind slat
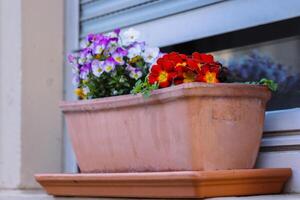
{"points": [[110, 14], [104, 7]]}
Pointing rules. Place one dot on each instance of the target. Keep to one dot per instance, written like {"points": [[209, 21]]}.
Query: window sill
{"points": [[40, 195]]}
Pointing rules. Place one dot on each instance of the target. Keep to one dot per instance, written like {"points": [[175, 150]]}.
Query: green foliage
{"points": [[267, 82], [109, 84], [144, 87]]}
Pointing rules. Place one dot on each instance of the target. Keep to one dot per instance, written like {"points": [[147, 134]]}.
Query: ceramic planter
{"points": [[189, 127]]}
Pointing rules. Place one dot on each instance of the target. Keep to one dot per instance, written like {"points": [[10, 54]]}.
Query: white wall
{"points": [[10, 92], [31, 86]]}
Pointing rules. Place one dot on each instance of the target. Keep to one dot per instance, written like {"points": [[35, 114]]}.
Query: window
{"points": [[209, 24]]}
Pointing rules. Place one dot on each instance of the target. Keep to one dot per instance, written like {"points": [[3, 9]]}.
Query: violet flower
{"points": [[109, 65], [119, 54], [100, 46], [84, 71], [135, 74], [97, 67]]}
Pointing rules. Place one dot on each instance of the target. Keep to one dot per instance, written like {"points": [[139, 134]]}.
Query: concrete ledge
{"points": [[262, 197], [40, 195]]}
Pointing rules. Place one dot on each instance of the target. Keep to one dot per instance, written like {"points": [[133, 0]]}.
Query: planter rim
{"points": [[170, 94]]}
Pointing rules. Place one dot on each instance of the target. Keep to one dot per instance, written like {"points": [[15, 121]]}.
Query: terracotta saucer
{"points": [[183, 184]]}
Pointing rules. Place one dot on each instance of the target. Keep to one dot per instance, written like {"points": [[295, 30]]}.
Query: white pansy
{"points": [[150, 54], [99, 49], [112, 34], [134, 51], [136, 74], [89, 57], [81, 61], [84, 75], [84, 43], [129, 36], [85, 90], [97, 68]]}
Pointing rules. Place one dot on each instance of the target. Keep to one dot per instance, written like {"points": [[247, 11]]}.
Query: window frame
{"points": [[156, 33], [71, 44]]}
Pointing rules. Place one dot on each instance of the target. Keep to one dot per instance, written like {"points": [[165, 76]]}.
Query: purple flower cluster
{"points": [[102, 55]]}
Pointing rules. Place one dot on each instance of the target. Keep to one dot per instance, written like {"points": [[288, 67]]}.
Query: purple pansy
{"points": [[109, 64], [84, 71], [85, 56], [112, 45], [117, 31], [119, 54], [72, 59], [91, 37], [136, 73], [97, 67], [103, 53], [100, 46]]}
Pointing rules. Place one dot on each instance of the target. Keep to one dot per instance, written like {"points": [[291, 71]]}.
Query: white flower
{"points": [[136, 74], [150, 54], [112, 34], [129, 36], [99, 49], [81, 60], [84, 43], [84, 74], [134, 51], [85, 90], [97, 67]]}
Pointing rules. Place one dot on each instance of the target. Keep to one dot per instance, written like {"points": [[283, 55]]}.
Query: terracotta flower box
{"points": [[189, 127]]}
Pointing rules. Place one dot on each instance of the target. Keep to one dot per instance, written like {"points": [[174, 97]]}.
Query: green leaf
{"points": [[144, 87], [269, 83], [272, 85]]}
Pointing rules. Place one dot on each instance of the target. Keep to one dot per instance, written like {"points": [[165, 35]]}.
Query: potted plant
{"points": [[192, 120]]}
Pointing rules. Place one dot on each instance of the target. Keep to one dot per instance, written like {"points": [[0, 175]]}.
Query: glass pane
{"points": [[270, 50], [278, 60]]}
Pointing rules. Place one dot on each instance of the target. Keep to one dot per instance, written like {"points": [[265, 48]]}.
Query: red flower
{"points": [[209, 74], [193, 64], [202, 57], [161, 74], [175, 68]]}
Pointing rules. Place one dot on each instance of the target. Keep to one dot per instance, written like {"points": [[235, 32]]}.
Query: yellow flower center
{"points": [[211, 77], [188, 77], [181, 64], [108, 68], [163, 76], [135, 59], [118, 59], [199, 65], [135, 76]]}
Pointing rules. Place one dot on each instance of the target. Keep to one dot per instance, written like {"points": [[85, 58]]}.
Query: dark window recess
{"points": [[271, 51]]}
